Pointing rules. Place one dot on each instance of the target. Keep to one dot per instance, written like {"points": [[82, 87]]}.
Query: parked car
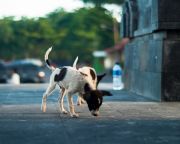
{"points": [[3, 72], [30, 70]]}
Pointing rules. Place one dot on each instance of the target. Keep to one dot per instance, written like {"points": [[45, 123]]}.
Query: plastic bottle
{"points": [[117, 77]]}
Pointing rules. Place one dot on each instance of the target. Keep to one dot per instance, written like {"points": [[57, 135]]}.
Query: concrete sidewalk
{"points": [[124, 119]]}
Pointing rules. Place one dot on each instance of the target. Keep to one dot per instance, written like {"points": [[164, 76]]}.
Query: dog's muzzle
{"points": [[95, 113]]}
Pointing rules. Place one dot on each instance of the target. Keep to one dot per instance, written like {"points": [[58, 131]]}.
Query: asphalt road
{"points": [[124, 119]]}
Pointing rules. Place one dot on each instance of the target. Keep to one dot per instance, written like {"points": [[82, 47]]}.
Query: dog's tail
{"points": [[47, 61], [75, 63]]}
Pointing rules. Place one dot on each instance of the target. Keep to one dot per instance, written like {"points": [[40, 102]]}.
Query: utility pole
{"points": [[115, 31]]}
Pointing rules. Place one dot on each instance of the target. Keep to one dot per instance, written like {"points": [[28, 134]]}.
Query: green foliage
{"points": [[71, 34]]}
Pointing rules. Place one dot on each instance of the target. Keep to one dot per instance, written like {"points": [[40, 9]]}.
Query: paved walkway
{"points": [[124, 119]]}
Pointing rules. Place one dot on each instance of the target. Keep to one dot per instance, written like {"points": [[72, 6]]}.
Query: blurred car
{"points": [[3, 72], [30, 70]]}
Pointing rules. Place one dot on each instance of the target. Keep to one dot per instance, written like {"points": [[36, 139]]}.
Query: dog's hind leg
{"points": [[49, 90], [61, 100]]}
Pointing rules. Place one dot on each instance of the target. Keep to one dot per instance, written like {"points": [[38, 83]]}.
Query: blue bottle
{"points": [[117, 77]]}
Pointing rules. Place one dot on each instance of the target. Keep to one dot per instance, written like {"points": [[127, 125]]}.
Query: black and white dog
{"points": [[72, 81]]}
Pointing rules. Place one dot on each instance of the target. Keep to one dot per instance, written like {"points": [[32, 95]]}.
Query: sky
{"points": [[35, 8], [39, 8]]}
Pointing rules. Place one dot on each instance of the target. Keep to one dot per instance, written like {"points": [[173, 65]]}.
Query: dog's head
{"points": [[94, 99]]}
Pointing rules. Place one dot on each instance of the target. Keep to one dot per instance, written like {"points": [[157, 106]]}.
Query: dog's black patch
{"points": [[61, 75], [94, 100], [93, 75], [48, 63], [87, 87]]}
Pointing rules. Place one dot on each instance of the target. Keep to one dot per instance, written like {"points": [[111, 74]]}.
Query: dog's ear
{"points": [[105, 93], [99, 78]]}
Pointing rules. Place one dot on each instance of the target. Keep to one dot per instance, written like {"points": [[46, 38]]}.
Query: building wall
{"points": [[152, 56]]}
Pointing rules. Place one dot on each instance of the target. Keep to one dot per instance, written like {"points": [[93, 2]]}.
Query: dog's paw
{"points": [[83, 101], [64, 112], [74, 115], [43, 107], [78, 103]]}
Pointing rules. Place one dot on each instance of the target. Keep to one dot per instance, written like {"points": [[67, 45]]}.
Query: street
{"points": [[124, 119]]}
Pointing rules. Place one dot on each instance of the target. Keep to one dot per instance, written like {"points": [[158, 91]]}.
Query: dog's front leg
{"points": [[71, 106], [61, 100], [80, 100]]}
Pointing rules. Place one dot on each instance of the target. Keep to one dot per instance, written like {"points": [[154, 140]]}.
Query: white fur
{"points": [[75, 62]]}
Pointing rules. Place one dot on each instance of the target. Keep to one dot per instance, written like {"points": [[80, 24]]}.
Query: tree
{"points": [[80, 33], [71, 34]]}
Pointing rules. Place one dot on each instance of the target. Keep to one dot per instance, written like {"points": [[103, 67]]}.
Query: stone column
{"points": [[152, 57]]}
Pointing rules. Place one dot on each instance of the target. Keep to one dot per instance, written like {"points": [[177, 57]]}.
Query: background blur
{"points": [[84, 28]]}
